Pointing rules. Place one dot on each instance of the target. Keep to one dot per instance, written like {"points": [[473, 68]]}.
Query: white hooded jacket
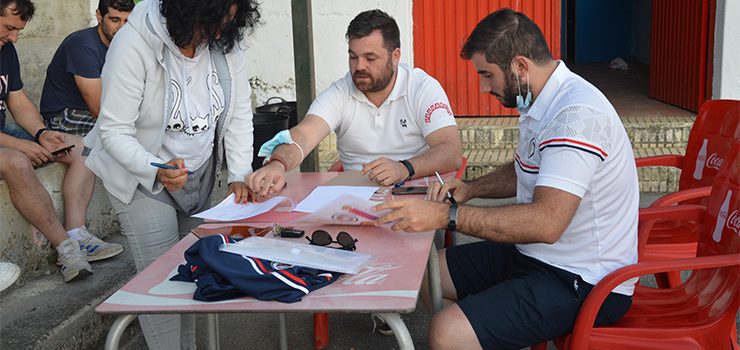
{"points": [[136, 96]]}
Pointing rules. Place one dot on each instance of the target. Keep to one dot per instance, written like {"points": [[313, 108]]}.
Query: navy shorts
{"points": [[514, 301]]}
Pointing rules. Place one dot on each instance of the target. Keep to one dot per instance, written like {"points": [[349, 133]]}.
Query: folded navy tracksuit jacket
{"points": [[221, 275]]}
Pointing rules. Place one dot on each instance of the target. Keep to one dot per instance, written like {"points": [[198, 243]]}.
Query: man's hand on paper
{"points": [[414, 215], [173, 179], [240, 191], [266, 181], [385, 171]]}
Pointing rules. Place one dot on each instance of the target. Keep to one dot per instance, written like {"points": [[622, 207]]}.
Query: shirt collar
{"points": [[540, 105]]}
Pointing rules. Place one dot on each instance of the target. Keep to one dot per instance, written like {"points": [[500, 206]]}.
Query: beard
{"points": [[508, 100], [370, 83]]}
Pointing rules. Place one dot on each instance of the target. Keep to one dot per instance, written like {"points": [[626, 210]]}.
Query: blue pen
{"points": [[166, 166]]}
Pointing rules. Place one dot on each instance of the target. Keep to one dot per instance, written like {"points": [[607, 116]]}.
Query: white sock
{"points": [[75, 233]]}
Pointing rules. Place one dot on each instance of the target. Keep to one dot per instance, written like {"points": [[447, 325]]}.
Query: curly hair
{"points": [[189, 20], [23, 8], [504, 34]]}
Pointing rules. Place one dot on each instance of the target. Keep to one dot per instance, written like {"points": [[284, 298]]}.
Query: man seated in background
{"points": [[70, 100], [392, 122], [21, 153]]}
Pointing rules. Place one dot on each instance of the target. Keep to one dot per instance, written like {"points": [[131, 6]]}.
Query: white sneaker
{"points": [[95, 248], [72, 259], [9, 273]]}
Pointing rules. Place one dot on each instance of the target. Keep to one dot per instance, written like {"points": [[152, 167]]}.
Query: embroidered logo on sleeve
{"points": [[434, 107]]}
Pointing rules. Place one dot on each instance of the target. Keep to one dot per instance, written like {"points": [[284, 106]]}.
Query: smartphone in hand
{"points": [[62, 151], [409, 190]]}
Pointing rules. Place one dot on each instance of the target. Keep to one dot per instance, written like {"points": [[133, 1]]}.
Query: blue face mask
{"points": [[522, 103]]}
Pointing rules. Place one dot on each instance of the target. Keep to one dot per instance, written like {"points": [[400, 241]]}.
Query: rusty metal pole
{"points": [[305, 77]]}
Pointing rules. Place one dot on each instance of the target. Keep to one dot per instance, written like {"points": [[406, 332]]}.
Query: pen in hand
{"points": [[449, 195], [166, 166]]}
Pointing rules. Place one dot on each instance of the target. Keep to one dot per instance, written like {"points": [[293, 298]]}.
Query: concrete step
{"points": [[24, 245], [490, 142], [46, 313]]}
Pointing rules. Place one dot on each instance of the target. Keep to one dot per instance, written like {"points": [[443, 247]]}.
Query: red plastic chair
{"points": [[716, 127], [699, 314]]}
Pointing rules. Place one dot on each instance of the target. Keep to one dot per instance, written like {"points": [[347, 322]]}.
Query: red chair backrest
{"points": [[716, 290], [722, 222], [716, 127]]}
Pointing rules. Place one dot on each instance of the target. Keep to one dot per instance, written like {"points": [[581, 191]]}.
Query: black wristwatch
{"points": [[409, 167], [452, 223]]}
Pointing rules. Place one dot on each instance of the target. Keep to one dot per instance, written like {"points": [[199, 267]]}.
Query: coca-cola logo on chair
{"points": [[714, 161], [733, 221]]}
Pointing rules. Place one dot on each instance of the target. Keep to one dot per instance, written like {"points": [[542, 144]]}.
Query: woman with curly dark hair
{"points": [[175, 91]]}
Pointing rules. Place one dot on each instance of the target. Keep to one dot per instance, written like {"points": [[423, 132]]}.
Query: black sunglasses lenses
{"points": [[345, 240], [322, 238]]}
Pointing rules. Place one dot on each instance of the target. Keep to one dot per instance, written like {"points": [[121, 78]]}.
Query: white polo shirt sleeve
{"points": [[330, 103], [432, 107], [572, 148]]}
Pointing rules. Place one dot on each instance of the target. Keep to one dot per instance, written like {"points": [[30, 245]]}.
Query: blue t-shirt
{"points": [[10, 77], [81, 53]]}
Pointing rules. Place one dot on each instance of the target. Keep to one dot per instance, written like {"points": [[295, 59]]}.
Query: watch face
{"points": [[452, 223]]}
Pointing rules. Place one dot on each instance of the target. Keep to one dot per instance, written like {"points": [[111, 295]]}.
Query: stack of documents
{"points": [[227, 210]]}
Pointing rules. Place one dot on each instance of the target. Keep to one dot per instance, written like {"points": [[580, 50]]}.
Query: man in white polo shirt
{"points": [[392, 122], [575, 220]]}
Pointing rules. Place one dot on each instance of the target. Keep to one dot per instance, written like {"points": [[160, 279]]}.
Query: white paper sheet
{"points": [[227, 210], [323, 195], [300, 253], [344, 210]]}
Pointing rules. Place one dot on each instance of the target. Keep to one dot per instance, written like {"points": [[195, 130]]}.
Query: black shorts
{"points": [[514, 301]]}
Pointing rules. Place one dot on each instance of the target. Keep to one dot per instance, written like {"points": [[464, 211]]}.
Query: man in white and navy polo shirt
{"points": [[575, 220], [392, 122]]}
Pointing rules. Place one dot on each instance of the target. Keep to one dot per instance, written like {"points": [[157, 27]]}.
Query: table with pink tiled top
{"points": [[388, 285]]}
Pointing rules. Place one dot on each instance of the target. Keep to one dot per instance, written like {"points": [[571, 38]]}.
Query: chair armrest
{"points": [[461, 170], [672, 160], [336, 167], [693, 212], [592, 304], [680, 196]]}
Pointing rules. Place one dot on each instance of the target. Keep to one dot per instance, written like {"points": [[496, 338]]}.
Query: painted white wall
{"points": [[726, 80], [270, 47]]}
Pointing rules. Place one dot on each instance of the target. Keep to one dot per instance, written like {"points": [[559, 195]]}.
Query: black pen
{"points": [[166, 166], [449, 195]]}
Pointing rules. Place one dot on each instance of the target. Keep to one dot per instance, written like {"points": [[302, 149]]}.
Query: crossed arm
{"points": [[444, 154]]}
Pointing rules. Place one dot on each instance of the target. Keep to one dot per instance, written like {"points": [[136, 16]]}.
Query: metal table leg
{"points": [[435, 283], [116, 331], [399, 330], [213, 332], [283, 330]]}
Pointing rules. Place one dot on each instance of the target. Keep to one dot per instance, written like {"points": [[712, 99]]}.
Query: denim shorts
{"points": [[16, 131], [513, 301]]}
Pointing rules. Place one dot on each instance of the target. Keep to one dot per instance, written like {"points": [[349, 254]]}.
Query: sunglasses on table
{"points": [[323, 238]]}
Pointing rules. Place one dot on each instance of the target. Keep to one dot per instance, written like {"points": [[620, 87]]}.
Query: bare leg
{"points": [[449, 294], [78, 184], [29, 196], [450, 329]]}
